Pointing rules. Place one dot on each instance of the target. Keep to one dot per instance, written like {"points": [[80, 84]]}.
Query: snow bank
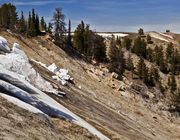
{"points": [[106, 35], [158, 36], [21, 104], [18, 63], [4, 45], [17, 50], [169, 36]]}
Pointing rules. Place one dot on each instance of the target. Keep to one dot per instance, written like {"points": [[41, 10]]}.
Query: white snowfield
{"points": [[161, 36], [107, 35], [169, 36], [24, 87]]}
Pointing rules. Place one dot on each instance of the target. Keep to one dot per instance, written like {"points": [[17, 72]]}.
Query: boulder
{"points": [[114, 75]]}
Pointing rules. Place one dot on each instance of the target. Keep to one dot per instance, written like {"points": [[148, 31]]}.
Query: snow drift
{"points": [[24, 87], [4, 45]]}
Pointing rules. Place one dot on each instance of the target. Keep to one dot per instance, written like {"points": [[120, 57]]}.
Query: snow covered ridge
{"points": [[24, 87], [61, 75]]}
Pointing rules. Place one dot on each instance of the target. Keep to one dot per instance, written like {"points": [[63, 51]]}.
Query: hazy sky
{"points": [[111, 15]]}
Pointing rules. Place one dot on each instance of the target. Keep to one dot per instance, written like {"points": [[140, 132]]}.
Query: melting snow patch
{"points": [[4, 45], [21, 104], [17, 50], [53, 68]]}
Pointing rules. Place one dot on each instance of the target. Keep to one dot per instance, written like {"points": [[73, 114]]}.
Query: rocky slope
{"points": [[96, 96]]}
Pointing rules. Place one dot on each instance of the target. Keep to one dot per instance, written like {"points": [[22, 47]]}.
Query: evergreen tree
{"points": [[118, 41], [69, 37], [148, 38], [140, 47], [127, 43], [141, 69], [117, 62], [78, 38], [130, 65], [33, 29], [169, 52], [89, 43], [50, 27], [159, 58], [99, 49], [173, 85], [29, 21], [59, 27], [22, 24], [37, 25], [42, 24], [140, 31], [8, 16], [150, 55]]}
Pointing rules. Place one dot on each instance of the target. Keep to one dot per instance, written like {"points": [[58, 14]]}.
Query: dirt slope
{"points": [[17, 123], [117, 116]]}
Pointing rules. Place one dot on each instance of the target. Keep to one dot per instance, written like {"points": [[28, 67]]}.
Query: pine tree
{"points": [[69, 36], [50, 27], [127, 43], [159, 59], [140, 31], [116, 56], [130, 65], [173, 85], [37, 25], [59, 27], [22, 24], [169, 52], [99, 49], [140, 47], [141, 69], [148, 38], [9, 16], [78, 38], [150, 55], [42, 24], [32, 29], [29, 21]]}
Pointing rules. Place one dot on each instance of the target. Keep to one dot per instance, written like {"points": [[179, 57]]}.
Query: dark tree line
{"points": [[31, 26], [8, 16]]}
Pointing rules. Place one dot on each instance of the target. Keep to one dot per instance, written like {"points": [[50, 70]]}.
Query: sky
{"points": [[110, 15]]}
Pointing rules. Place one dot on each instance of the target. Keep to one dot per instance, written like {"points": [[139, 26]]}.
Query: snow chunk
{"points": [[17, 50], [61, 75], [53, 68], [21, 104], [4, 45], [18, 64]]}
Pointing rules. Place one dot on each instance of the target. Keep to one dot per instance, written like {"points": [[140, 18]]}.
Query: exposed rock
{"points": [[114, 75]]}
